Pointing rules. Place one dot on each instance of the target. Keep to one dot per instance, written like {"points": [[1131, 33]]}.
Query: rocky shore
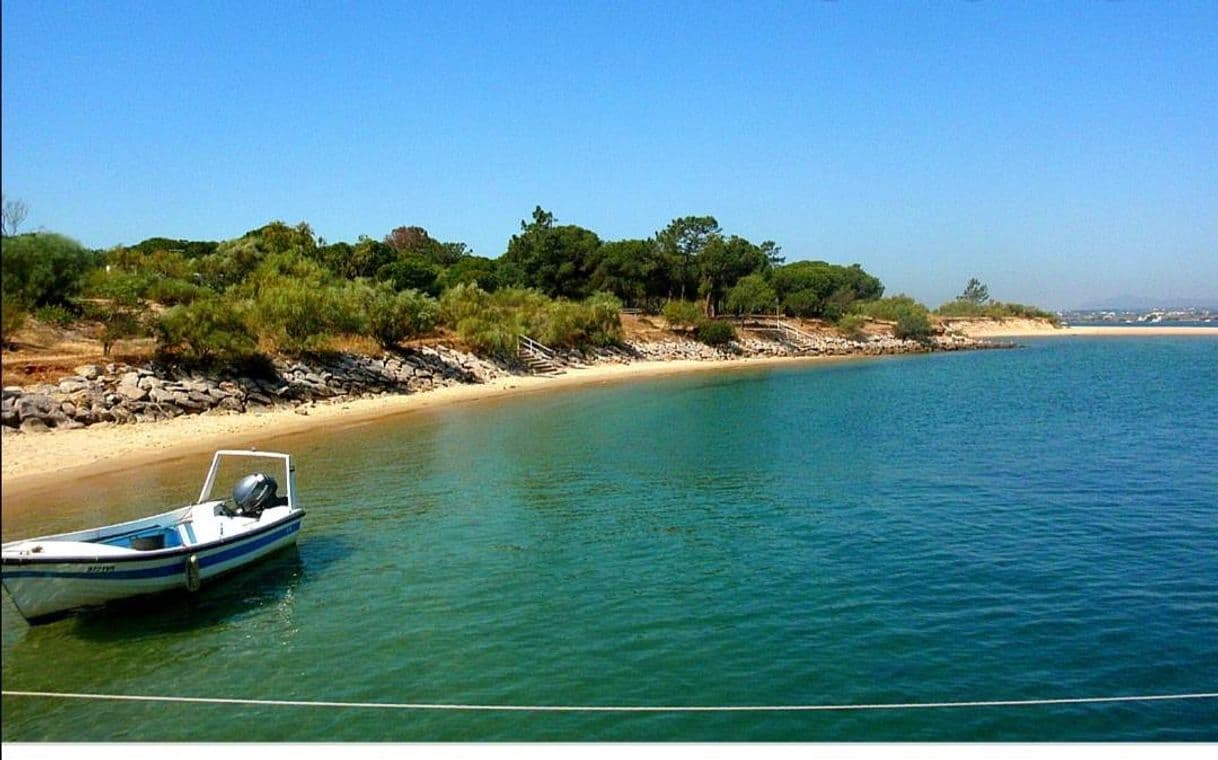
{"points": [[116, 394]]}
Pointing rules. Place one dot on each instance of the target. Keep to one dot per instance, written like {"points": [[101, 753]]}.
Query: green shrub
{"points": [[394, 317], [14, 319], [912, 325], [209, 329], [604, 319], [42, 268], [889, 309], [172, 291], [682, 314], [714, 332], [993, 310], [299, 315], [851, 326], [55, 314]]}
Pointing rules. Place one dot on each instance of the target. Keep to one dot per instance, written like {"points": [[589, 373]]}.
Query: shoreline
{"points": [[30, 461], [1026, 328]]}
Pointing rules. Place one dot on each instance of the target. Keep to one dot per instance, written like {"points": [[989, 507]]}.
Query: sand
{"points": [[1027, 328], [30, 460]]}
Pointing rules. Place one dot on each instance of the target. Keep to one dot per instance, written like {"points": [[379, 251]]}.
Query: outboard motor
{"points": [[254, 493]]}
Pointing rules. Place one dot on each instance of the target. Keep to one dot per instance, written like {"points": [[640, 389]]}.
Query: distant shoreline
{"points": [[1029, 328]]}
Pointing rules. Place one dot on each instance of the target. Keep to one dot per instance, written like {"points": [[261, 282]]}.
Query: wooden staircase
{"points": [[784, 331], [797, 337], [539, 358]]}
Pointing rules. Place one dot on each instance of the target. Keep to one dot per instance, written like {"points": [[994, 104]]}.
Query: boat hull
{"points": [[44, 587]]}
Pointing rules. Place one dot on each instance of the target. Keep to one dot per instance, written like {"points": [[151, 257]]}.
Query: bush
{"points": [[298, 315], [210, 329], [715, 332], [912, 325], [851, 326], [55, 314], [42, 268], [993, 310], [172, 291], [890, 309], [14, 319], [682, 314], [393, 317]]}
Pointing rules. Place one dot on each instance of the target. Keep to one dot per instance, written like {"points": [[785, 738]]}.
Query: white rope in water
{"points": [[615, 708]]}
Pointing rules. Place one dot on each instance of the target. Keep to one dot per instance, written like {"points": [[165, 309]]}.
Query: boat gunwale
{"points": [[145, 556]]}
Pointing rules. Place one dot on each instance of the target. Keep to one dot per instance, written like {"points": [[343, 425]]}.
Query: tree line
{"points": [[281, 288]]}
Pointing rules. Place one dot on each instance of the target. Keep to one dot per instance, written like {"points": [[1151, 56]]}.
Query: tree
{"points": [[14, 213], [116, 305], [722, 262], [821, 289], [411, 273], [554, 259], [393, 317], [975, 292], [633, 270], [42, 268], [477, 270], [210, 328], [681, 243], [409, 240], [751, 295]]}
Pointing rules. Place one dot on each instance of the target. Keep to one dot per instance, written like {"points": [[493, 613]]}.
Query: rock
{"points": [[34, 425], [160, 395], [129, 378], [133, 392], [88, 371], [34, 405], [71, 385]]}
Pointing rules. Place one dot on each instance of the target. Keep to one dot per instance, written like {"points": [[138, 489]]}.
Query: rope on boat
{"points": [[614, 708]]}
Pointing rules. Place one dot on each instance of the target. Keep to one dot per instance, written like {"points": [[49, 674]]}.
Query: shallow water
{"points": [[1035, 523]]}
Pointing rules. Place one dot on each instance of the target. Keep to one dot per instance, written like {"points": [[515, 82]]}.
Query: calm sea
{"points": [[1037, 523]]}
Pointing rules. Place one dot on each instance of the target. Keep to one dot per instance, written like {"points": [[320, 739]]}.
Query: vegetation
{"points": [[975, 303], [820, 289], [715, 332], [851, 326], [280, 288], [682, 315], [912, 320]]}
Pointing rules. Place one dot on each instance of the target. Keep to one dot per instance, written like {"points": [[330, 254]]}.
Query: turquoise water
{"points": [[1024, 524]]}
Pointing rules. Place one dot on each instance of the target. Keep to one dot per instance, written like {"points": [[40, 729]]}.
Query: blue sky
{"points": [[1063, 152]]}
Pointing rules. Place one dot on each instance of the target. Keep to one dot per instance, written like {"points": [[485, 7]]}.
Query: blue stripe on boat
{"points": [[174, 567]]}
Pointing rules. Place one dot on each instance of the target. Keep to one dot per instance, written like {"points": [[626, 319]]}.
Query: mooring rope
{"points": [[613, 708]]}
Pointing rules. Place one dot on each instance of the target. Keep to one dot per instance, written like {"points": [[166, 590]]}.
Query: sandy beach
{"points": [[29, 460], [1029, 328]]}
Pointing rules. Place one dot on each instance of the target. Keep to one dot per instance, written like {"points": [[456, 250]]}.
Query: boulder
{"points": [[34, 425], [133, 392]]}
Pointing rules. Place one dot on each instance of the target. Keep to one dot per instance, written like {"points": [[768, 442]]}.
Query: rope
{"points": [[614, 708]]}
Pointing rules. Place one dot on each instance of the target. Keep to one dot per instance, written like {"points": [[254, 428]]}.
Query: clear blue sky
{"points": [[1063, 152]]}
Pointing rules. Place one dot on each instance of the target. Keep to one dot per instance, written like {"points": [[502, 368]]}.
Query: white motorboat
{"points": [[180, 549]]}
